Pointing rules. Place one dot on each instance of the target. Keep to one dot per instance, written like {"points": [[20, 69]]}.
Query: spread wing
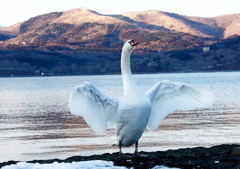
{"points": [[98, 109], [167, 97]]}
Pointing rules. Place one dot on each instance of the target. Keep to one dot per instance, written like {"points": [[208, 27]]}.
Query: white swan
{"points": [[134, 111]]}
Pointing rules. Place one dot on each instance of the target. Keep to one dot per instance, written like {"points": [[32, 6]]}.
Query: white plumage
{"points": [[135, 111], [97, 108]]}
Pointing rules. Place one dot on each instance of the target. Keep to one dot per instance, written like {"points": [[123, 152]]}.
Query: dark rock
{"points": [[217, 157], [236, 151]]}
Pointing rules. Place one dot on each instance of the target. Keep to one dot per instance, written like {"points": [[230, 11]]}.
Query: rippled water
{"points": [[35, 122]]}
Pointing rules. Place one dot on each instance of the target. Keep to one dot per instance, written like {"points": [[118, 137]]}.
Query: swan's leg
{"points": [[120, 149], [136, 153], [136, 149]]}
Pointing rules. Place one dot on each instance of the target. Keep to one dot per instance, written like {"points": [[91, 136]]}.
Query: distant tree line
{"points": [[48, 61], [82, 58]]}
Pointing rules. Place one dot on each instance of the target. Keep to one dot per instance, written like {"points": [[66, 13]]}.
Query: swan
{"points": [[134, 111]]}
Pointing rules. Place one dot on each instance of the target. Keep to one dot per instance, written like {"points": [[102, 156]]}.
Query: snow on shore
{"points": [[73, 165], [96, 164]]}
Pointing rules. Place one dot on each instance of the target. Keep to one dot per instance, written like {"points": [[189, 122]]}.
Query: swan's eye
{"points": [[131, 41]]}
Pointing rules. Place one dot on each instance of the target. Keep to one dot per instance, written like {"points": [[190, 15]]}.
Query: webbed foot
{"points": [[139, 155], [121, 155]]}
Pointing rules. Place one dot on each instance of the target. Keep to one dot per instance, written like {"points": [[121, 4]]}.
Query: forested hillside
{"points": [[54, 59], [82, 41]]}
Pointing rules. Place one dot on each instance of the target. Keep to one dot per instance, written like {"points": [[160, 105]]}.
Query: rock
{"points": [[236, 151], [217, 157]]}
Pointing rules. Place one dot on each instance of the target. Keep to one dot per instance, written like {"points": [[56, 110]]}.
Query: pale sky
{"points": [[14, 11]]}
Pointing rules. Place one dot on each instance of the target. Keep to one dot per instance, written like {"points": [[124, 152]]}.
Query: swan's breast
{"points": [[132, 119], [137, 106]]}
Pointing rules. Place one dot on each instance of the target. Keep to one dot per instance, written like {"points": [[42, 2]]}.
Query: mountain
{"points": [[1, 27], [154, 29], [82, 41], [217, 27], [91, 29]]}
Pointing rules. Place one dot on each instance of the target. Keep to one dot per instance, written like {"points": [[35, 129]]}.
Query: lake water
{"points": [[35, 122]]}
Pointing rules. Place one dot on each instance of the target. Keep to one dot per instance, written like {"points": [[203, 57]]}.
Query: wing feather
{"points": [[167, 97], [98, 109]]}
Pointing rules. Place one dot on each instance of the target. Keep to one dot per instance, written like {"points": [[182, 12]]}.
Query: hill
{"points": [[85, 25], [217, 27], [82, 41]]}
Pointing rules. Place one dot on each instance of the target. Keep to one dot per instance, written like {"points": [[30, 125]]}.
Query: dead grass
{"points": [[82, 15]]}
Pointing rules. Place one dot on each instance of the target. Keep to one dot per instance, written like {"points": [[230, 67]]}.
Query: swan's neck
{"points": [[128, 82], [125, 64]]}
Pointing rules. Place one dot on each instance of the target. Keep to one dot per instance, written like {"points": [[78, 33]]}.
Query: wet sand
{"points": [[216, 157]]}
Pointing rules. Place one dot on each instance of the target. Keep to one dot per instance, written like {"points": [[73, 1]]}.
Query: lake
{"points": [[35, 121]]}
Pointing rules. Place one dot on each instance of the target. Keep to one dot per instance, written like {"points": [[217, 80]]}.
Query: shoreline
{"points": [[136, 73], [219, 157]]}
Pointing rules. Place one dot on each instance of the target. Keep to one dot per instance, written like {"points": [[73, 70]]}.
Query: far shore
{"points": [[98, 74]]}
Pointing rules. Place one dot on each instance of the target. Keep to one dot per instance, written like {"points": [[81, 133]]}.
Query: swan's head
{"points": [[129, 45]]}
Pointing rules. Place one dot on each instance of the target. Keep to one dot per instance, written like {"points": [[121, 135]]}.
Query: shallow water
{"points": [[35, 122]]}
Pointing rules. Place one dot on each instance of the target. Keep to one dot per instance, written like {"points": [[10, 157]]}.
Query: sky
{"points": [[14, 11]]}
